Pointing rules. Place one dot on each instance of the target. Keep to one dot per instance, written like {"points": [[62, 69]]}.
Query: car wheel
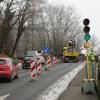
{"points": [[10, 79]]}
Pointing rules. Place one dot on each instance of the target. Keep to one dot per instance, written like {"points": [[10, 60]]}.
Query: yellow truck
{"points": [[70, 56]]}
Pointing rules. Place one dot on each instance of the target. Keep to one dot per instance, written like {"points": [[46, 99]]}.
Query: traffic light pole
{"points": [[88, 83], [87, 37], [88, 65]]}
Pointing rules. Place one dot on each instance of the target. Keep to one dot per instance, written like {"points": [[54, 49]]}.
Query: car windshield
{"points": [[2, 61]]}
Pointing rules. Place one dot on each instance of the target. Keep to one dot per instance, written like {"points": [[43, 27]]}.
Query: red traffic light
{"points": [[86, 22]]}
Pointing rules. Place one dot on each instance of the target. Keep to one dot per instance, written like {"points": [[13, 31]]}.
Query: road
{"points": [[24, 89]]}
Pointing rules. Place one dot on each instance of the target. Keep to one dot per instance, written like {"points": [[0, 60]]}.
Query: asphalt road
{"points": [[23, 89]]}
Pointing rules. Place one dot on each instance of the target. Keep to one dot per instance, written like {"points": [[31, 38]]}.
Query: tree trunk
{"points": [[16, 43]]}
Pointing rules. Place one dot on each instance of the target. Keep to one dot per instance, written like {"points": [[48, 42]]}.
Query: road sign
{"points": [[87, 45], [87, 37], [46, 50]]}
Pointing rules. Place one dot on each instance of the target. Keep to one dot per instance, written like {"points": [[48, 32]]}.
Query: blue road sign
{"points": [[46, 50]]}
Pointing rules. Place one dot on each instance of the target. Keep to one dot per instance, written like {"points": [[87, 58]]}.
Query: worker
{"points": [[92, 56]]}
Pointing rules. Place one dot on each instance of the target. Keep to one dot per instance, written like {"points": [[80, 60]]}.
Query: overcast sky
{"points": [[86, 9]]}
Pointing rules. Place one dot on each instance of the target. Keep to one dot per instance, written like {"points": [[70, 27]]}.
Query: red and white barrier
{"points": [[54, 60], [39, 67], [49, 63], [33, 68]]}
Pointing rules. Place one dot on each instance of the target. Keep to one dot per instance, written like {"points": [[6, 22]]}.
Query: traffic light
{"points": [[86, 29]]}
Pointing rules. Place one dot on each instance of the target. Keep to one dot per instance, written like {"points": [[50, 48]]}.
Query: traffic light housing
{"points": [[86, 21], [86, 29]]}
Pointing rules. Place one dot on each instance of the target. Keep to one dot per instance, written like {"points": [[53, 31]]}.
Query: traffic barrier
{"points": [[39, 67], [54, 60], [49, 63], [33, 68]]}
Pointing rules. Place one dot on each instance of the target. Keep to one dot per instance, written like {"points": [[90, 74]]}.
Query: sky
{"points": [[86, 9]]}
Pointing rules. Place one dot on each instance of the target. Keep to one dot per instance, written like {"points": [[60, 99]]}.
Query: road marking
{"points": [[4, 96]]}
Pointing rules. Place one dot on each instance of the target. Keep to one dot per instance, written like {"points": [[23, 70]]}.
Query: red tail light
{"points": [[6, 67]]}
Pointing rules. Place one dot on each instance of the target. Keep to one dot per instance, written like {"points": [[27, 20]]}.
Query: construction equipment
{"points": [[70, 55]]}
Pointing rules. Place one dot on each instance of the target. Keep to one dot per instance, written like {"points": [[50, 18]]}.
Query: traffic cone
{"points": [[33, 68], [39, 67]]}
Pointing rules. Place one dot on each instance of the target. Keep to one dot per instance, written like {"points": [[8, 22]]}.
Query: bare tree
{"points": [[61, 25], [23, 16], [6, 24], [32, 24], [31, 37]]}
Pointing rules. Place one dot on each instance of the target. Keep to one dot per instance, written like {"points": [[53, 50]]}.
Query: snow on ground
{"points": [[54, 91]]}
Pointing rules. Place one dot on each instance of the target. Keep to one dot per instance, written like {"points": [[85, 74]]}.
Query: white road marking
{"points": [[4, 96]]}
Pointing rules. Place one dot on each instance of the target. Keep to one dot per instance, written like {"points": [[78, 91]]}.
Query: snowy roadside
{"points": [[54, 91]]}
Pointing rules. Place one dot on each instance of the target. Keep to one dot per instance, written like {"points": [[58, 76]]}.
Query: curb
{"points": [[54, 91]]}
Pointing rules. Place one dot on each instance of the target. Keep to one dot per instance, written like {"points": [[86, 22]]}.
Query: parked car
{"points": [[27, 56], [8, 70], [31, 55], [26, 62]]}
